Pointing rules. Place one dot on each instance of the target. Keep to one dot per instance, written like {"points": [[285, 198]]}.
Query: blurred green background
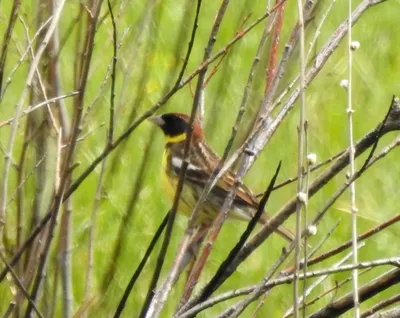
{"points": [[155, 41]]}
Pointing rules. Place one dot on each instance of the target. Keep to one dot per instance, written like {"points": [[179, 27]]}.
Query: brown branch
{"points": [[273, 55], [65, 170], [288, 280], [362, 145], [333, 289], [391, 313], [154, 308], [380, 227], [200, 262], [6, 41], [213, 178], [343, 304], [17, 112], [235, 310], [382, 304], [367, 141], [21, 286], [172, 213]]}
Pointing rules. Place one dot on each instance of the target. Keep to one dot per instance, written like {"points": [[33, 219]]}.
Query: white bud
{"points": [[311, 230], [311, 159], [355, 45], [302, 197], [344, 83]]}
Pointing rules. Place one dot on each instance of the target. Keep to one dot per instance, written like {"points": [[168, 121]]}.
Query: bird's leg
{"points": [[198, 238], [192, 250], [194, 245]]}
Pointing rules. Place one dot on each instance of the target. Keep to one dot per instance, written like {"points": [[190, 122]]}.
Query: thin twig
{"points": [[18, 110], [249, 228], [104, 82], [65, 171], [345, 303], [140, 267], [382, 304], [20, 185], [6, 40], [312, 169], [318, 29], [305, 215], [288, 209], [286, 254], [288, 279], [377, 229], [199, 95], [91, 230], [214, 178], [30, 109], [21, 286], [27, 50], [179, 85], [113, 74], [317, 282], [123, 230], [301, 196], [352, 187], [334, 289], [151, 294]]}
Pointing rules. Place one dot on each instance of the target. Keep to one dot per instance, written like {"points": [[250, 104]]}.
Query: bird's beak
{"points": [[157, 120]]}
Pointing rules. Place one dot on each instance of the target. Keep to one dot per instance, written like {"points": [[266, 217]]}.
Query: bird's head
{"points": [[175, 126]]}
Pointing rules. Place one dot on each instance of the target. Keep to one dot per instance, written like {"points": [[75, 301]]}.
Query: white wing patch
{"points": [[177, 164]]}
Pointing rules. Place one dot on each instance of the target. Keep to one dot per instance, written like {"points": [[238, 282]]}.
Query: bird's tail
{"points": [[282, 231]]}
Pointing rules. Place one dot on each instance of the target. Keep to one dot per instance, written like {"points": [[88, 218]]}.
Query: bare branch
{"points": [[343, 304]]}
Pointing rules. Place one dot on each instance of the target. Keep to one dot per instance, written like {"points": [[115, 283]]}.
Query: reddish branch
{"points": [[273, 54]]}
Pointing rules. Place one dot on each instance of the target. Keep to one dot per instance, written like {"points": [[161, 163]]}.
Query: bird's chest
{"points": [[169, 178]]}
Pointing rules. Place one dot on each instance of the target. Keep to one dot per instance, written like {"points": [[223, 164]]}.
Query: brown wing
{"points": [[202, 164], [244, 196], [203, 161]]}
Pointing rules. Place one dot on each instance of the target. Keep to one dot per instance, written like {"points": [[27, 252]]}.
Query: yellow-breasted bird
{"points": [[202, 162]]}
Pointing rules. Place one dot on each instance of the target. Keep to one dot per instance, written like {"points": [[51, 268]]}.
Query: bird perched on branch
{"points": [[202, 162]]}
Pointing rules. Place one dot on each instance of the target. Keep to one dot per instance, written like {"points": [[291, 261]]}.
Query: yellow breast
{"points": [[170, 182]]}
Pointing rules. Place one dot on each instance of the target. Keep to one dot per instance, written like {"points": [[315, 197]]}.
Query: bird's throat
{"points": [[175, 139]]}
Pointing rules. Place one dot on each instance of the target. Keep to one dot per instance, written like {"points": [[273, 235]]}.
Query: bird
{"points": [[202, 161]]}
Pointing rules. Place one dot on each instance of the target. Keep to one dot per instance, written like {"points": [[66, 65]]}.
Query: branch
{"points": [[393, 123], [343, 304]]}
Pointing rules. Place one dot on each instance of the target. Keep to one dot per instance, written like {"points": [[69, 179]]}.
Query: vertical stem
{"points": [[6, 40], [300, 158], [65, 259], [353, 207], [114, 65], [305, 219], [92, 229]]}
